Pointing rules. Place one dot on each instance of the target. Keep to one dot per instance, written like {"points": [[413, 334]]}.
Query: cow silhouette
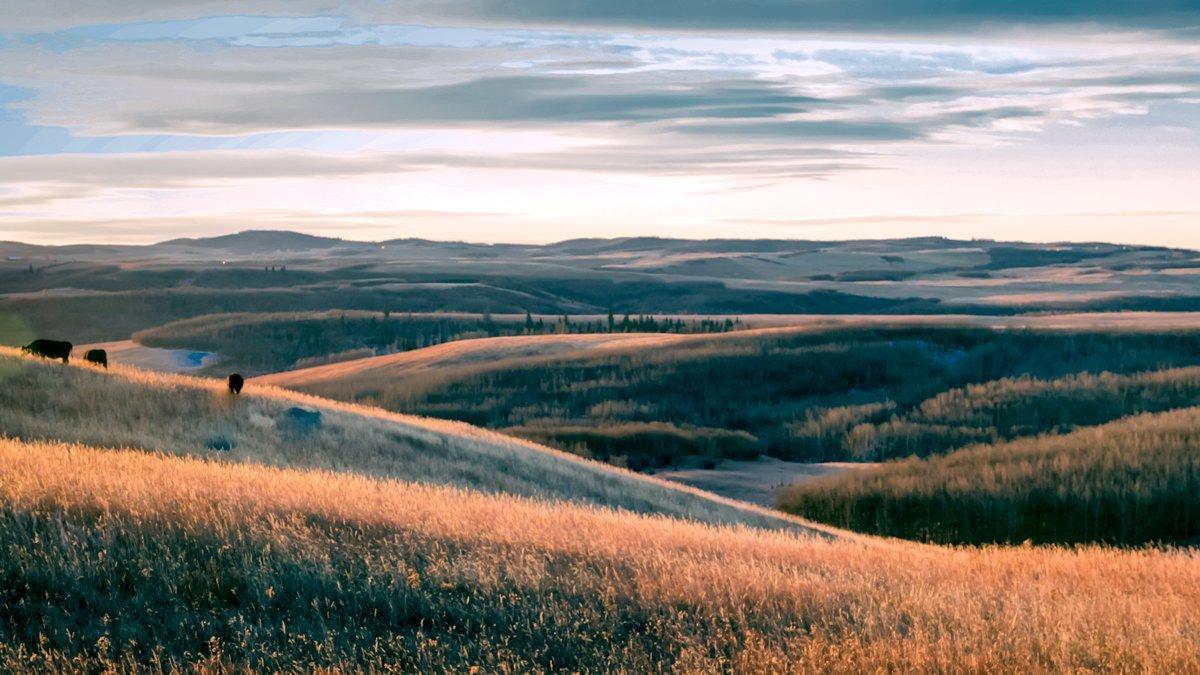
{"points": [[96, 356], [48, 349], [235, 383]]}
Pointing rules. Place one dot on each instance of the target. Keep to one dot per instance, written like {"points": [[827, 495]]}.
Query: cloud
{"points": [[656, 104], [838, 16], [42, 180]]}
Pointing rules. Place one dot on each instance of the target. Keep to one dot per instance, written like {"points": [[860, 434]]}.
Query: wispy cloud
{"points": [[889, 16], [140, 102]]}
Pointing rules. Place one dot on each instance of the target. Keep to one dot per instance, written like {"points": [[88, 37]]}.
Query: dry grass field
{"points": [[122, 560], [179, 414], [387, 542], [462, 358]]}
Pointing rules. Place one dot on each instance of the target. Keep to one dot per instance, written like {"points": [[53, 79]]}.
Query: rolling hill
{"points": [[139, 287], [157, 523], [128, 408], [462, 358], [841, 389], [124, 560]]}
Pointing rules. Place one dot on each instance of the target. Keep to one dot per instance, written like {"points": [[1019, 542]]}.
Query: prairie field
{"points": [[124, 560], [191, 416], [479, 336], [157, 523]]}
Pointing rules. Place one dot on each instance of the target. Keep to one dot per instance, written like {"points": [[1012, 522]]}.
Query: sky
{"points": [[134, 121]]}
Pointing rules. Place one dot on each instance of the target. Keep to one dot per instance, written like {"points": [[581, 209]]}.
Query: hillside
{"points": [[1129, 482], [819, 391], [462, 358], [198, 417], [115, 561]]}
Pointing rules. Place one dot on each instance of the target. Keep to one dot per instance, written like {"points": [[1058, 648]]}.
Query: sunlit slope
{"points": [[124, 407], [1132, 481], [466, 356], [113, 560]]}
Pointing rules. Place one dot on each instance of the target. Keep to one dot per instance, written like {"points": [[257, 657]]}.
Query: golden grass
{"points": [[179, 414], [461, 358], [126, 560]]}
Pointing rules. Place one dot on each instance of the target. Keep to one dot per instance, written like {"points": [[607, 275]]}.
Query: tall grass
{"points": [[117, 560], [125, 407], [1129, 482], [1022, 406]]}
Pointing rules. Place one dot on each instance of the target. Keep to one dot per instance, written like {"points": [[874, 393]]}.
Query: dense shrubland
{"points": [[1130, 482], [862, 394]]}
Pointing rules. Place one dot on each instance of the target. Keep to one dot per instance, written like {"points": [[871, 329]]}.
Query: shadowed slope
{"points": [[1130, 482]]}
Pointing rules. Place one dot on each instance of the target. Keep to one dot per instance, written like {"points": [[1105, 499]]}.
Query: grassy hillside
{"points": [[802, 394], [118, 560], [1132, 481], [1005, 409], [198, 417]]}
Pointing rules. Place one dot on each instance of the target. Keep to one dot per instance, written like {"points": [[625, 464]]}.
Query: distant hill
{"points": [[262, 240], [636, 275]]}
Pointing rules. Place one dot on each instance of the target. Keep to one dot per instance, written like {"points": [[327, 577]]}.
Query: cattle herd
{"points": [[60, 349]]}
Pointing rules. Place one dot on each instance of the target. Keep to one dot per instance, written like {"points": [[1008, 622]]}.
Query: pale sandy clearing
{"points": [[759, 481]]}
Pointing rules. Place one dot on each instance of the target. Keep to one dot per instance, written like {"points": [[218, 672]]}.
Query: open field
{"points": [[118, 560], [125, 407]]}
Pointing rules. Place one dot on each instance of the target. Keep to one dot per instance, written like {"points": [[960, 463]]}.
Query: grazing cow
{"points": [[96, 356], [235, 383], [48, 349]]}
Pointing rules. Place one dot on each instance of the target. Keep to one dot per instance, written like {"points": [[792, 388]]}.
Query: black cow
{"points": [[235, 383], [96, 356], [48, 349]]}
